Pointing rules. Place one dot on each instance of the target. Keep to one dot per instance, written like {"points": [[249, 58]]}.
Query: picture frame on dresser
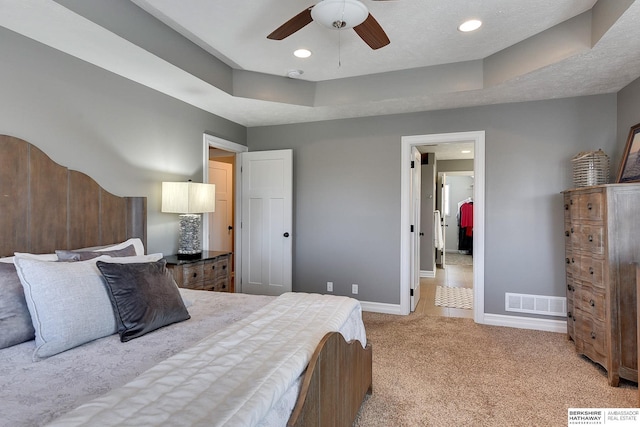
{"points": [[630, 164]]}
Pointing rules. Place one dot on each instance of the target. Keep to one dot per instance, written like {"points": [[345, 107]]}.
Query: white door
{"points": [[415, 227], [445, 209], [221, 221], [267, 203]]}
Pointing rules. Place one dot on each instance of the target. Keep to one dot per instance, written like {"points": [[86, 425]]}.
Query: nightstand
{"points": [[210, 271]]}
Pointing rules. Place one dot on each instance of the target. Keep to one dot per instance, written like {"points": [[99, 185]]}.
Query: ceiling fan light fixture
{"points": [[339, 14], [470, 25]]}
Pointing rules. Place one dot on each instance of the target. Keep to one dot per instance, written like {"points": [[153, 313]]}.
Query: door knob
{"points": [[230, 228], [286, 234]]}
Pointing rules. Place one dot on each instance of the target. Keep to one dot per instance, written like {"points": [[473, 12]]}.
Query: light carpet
{"points": [[431, 371], [452, 297]]}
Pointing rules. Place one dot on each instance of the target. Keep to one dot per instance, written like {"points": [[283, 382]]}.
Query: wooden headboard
{"points": [[45, 206]]}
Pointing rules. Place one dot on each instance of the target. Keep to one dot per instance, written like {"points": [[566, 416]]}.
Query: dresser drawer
{"points": [[572, 264], [192, 276], [210, 272], [591, 206], [570, 318], [592, 270], [590, 238], [592, 302], [593, 337], [216, 269]]}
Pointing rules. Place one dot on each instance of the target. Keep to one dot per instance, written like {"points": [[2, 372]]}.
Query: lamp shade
{"points": [[188, 197]]}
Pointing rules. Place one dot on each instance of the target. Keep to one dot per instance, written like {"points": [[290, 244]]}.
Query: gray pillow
{"points": [[144, 296], [80, 255], [68, 301], [15, 321]]}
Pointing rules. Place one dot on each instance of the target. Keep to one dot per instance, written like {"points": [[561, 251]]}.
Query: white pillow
{"points": [[41, 257], [68, 301], [136, 242]]}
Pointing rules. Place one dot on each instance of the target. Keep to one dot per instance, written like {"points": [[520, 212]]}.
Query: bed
{"points": [[222, 359]]}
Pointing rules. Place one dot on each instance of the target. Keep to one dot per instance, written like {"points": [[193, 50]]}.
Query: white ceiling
{"points": [[526, 50], [422, 32]]}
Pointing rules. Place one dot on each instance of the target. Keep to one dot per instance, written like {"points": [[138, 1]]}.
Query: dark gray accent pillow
{"points": [[15, 320], [144, 297], [80, 255]]}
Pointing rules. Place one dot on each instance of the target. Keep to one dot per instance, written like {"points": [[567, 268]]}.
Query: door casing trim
{"points": [[407, 142], [215, 142]]}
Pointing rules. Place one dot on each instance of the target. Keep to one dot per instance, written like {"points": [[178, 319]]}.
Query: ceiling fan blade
{"points": [[372, 33], [292, 25]]}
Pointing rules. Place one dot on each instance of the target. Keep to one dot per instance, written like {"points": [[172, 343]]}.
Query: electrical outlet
{"points": [[354, 289], [329, 286]]}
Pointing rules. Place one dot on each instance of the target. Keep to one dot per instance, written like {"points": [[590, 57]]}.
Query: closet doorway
{"points": [[431, 144]]}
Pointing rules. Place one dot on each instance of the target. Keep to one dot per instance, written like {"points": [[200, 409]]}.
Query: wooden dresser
{"points": [[210, 271], [602, 239]]}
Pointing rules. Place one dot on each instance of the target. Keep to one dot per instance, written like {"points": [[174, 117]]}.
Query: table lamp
{"points": [[189, 199]]}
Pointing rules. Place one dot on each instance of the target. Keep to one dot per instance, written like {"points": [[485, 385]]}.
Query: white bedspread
{"points": [[232, 377]]}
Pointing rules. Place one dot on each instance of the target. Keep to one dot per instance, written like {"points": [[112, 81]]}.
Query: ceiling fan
{"points": [[337, 14]]}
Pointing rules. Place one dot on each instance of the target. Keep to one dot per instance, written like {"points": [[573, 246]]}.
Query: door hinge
{"points": [[412, 228], [411, 292], [413, 164]]}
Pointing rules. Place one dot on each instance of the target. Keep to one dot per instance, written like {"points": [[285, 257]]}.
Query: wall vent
{"points": [[536, 304]]}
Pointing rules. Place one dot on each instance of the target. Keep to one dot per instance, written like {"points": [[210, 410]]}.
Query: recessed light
{"points": [[470, 25], [302, 53]]}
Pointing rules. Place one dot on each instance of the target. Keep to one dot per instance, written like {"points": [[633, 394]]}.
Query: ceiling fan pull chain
{"points": [[339, 48]]}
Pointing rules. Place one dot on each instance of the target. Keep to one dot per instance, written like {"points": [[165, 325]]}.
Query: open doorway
{"points": [[448, 292], [427, 143], [220, 228]]}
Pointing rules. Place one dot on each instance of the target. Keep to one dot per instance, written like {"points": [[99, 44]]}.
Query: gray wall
{"points": [[127, 137], [347, 192]]}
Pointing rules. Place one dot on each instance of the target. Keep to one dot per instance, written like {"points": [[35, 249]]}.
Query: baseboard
{"points": [[380, 307], [424, 273], [547, 325]]}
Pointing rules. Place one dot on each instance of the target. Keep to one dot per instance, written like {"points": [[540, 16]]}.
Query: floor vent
{"points": [[536, 304]]}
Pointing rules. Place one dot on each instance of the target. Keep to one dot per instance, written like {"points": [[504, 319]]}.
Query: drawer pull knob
{"points": [[213, 267], [568, 262], [573, 260], [195, 274], [569, 315], [589, 206], [592, 303], [591, 270], [566, 207], [224, 267], [566, 233], [571, 230], [590, 238], [593, 335], [571, 201]]}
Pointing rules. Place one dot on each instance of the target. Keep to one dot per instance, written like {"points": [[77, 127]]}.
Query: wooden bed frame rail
{"points": [[334, 385]]}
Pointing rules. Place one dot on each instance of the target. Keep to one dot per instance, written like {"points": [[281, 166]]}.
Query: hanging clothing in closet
{"points": [[465, 226], [438, 239]]}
